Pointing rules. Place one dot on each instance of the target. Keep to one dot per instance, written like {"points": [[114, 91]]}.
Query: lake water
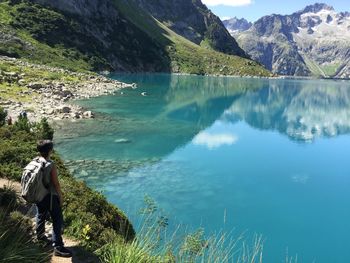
{"points": [[254, 155]]}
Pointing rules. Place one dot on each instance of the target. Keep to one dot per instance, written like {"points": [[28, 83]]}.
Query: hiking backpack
{"points": [[33, 189]]}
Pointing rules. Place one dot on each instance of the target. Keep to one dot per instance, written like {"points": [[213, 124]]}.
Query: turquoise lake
{"points": [[255, 155]]}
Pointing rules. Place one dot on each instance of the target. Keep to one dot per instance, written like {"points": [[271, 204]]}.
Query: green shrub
{"points": [[3, 115], [8, 198], [90, 218], [128, 253], [43, 130], [23, 124], [17, 148]]}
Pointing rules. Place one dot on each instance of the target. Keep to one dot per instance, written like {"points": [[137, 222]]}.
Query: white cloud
{"points": [[227, 2], [225, 18], [214, 140]]}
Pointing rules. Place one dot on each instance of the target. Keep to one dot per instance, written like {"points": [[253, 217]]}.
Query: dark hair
{"points": [[44, 147]]}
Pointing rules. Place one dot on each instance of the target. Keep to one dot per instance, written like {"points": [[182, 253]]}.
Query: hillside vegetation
{"points": [[114, 36], [82, 206]]}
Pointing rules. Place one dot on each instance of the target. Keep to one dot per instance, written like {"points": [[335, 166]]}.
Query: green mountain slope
{"points": [[194, 21], [110, 35]]}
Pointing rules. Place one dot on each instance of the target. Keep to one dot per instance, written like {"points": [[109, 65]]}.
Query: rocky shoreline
{"points": [[51, 99]]}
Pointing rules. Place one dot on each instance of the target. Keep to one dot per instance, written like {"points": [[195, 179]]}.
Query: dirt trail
{"points": [[79, 254]]}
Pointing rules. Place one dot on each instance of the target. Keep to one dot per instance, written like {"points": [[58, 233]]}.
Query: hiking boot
{"points": [[62, 252]]}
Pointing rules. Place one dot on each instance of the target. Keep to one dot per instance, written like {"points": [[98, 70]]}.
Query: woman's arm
{"points": [[56, 183]]}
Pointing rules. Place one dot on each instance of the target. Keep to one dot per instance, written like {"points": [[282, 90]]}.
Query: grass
{"points": [[330, 69], [37, 73], [192, 59], [8, 198], [321, 70], [14, 92], [143, 21], [17, 90], [155, 244], [16, 242]]}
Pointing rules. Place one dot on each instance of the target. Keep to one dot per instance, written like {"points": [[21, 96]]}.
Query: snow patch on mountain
{"points": [[313, 41]]}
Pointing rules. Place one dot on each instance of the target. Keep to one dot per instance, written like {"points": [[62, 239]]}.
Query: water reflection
{"points": [[178, 108], [302, 110], [199, 146]]}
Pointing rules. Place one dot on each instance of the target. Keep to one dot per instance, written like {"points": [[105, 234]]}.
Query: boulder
{"points": [[75, 115], [64, 93], [50, 111], [88, 114], [11, 74], [36, 85], [21, 82], [5, 102], [64, 109]]}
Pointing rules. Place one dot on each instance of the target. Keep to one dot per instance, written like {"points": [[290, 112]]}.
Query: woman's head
{"points": [[44, 147]]}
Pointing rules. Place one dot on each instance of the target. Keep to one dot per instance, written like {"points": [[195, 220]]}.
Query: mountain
{"points": [[235, 25], [314, 41], [121, 35], [194, 21]]}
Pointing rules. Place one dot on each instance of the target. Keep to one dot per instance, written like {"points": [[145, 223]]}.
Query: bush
{"points": [[3, 115], [90, 218], [23, 124], [17, 148], [43, 130], [8, 198]]}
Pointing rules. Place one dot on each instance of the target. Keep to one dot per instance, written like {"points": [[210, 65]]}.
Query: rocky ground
{"points": [[41, 96]]}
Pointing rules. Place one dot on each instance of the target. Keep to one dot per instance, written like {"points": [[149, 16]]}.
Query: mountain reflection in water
{"points": [[203, 147], [303, 112]]}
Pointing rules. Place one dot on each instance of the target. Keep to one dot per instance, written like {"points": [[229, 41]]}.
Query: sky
{"points": [[252, 10]]}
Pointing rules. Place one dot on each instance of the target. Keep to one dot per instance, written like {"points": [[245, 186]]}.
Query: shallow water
{"points": [[260, 156]]}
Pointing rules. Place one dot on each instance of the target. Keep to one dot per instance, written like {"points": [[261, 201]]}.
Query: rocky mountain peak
{"points": [[315, 8], [236, 24], [313, 41]]}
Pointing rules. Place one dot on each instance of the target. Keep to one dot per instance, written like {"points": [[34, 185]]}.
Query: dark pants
{"points": [[43, 208]]}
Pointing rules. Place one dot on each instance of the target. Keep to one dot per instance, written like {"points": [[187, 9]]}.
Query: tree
{"points": [[23, 124], [44, 130]]}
